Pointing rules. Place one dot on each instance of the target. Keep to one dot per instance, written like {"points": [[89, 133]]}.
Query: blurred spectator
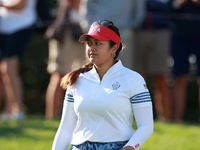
{"points": [[152, 52], [65, 52], [45, 16], [17, 18], [185, 41], [126, 15]]}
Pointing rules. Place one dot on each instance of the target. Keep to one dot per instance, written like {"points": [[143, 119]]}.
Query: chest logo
{"points": [[116, 86]]}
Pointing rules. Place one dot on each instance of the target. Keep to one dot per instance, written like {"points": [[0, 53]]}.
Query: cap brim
{"points": [[84, 37]]}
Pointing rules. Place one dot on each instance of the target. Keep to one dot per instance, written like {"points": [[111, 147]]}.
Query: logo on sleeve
{"points": [[145, 86], [137, 145], [116, 86]]}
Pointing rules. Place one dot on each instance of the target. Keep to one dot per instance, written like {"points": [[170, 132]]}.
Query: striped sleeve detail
{"points": [[69, 98], [141, 98]]}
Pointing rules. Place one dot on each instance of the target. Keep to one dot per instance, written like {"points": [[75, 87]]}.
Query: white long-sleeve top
{"points": [[102, 111]]}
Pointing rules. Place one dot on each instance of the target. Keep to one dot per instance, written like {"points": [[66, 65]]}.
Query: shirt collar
{"points": [[111, 70]]}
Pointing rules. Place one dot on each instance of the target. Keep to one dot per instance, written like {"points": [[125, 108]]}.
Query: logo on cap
{"points": [[97, 29]]}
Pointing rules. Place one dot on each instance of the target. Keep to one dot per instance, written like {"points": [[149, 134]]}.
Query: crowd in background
{"points": [[160, 36]]}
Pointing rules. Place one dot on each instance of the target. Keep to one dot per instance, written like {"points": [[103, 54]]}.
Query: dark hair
{"points": [[70, 78], [111, 43]]}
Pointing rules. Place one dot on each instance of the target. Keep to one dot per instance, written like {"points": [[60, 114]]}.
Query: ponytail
{"points": [[70, 78]]}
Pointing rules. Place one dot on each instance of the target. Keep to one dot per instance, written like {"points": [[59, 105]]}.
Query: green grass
{"points": [[171, 136], [36, 133]]}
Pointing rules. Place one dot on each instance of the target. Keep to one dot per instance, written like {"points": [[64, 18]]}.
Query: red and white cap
{"points": [[101, 33]]}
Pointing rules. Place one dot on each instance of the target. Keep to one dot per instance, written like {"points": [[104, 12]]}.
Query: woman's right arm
{"points": [[67, 125]]}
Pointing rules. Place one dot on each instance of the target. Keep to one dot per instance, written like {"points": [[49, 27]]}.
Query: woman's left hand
{"points": [[128, 148]]}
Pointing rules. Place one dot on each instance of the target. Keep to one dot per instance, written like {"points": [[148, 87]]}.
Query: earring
{"points": [[113, 55]]}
